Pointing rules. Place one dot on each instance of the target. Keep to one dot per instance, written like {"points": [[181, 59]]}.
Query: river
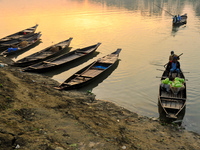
{"points": [[143, 31]]}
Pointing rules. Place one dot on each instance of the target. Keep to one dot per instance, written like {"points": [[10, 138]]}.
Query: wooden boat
{"points": [[44, 54], [20, 34], [14, 42], [90, 72], [61, 60], [172, 105], [23, 45], [182, 22]]}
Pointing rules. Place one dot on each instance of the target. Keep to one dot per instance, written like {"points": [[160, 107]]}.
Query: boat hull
{"points": [[171, 104], [90, 72], [182, 22], [78, 86], [64, 59]]}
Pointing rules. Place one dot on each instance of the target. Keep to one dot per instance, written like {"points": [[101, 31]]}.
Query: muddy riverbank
{"points": [[33, 115]]}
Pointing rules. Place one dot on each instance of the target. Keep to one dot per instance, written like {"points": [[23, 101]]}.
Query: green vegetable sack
{"points": [[178, 85], [166, 81]]}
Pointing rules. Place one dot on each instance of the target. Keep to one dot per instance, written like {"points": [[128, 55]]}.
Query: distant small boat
{"points": [[172, 106], [20, 34], [61, 60], [23, 45], [182, 22], [44, 54], [90, 72]]}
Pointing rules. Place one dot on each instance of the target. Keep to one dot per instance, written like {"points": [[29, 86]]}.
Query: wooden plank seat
{"points": [[92, 73], [172, 105], [178, 107], [172, 98], [169, 100], [83, 52], [79, 75], [32, 67], [49, 63], [80, 54], [66, 84], [86, 76]]}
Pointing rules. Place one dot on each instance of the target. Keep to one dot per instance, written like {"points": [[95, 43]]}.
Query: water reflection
{"points": [[175, 29], [148, 7]]}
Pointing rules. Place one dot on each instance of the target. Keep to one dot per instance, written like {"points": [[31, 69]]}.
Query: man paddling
{"points": [[172, 56]]}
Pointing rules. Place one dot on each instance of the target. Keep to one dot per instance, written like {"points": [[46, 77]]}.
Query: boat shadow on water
{"points": [[15, 55], [89, 87], [64, 67]]}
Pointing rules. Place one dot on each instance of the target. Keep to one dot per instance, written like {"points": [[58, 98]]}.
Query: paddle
{"points": [[164, 10], [178, 56]]}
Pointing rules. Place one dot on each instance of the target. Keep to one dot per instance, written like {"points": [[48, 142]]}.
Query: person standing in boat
{"points": [[174, 66], [175, 19], [179, 18], [172, 56]]}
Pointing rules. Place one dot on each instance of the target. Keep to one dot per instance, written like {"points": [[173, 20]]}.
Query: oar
{"points": [[164, 10], [160, 69], [178, 56]]}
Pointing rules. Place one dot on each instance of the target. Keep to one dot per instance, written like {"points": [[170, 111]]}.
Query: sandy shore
{"points": [[34, 116]]}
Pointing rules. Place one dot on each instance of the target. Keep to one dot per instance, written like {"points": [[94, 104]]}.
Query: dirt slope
{"points": [[33, 116]]}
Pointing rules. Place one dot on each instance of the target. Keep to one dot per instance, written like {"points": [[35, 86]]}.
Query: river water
{"points": [[139, 27]]}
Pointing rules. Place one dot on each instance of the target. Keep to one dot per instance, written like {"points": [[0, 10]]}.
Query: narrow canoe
{"points": [[23, 45], [20, 34], [44, 54], [172, 105], [90, 72], [62, 59], [182, 22]]}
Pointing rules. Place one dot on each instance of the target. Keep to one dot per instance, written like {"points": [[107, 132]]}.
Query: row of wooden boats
{"points": [[20, 34], [54, 57], [80, 78], [20, 41], [41, 63]]}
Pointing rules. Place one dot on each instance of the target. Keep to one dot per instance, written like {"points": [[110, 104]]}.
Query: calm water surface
{"points": [[139, 27]]}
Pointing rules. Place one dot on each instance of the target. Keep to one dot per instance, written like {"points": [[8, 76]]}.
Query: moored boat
{"points": [[90, 72], [14, 42], [19, 34], [23, 45], [172, 101], [61, 60], [44, 54]]}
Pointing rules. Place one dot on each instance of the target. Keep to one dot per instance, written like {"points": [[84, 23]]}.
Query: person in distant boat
{"points": [[179, 18], [175, 19], [174, 66], [172, 56]]}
